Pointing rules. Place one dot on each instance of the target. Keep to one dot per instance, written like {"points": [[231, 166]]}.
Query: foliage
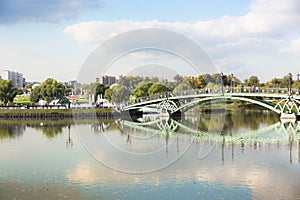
{"points": [[28, 88], [97, 89], [7, 91], [50, 89], [132, 81], [181, 87], [178, 79], [117, 94], [296, 84], [157, 88], [108, 94], [253, 80], [35, 95], [208, 78], [280, 82], [233, 80], [142, 89]]}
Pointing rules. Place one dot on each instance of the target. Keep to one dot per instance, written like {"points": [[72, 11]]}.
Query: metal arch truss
{"points": [[289, 105], [289, 128], [167, 125], [167, 106]]}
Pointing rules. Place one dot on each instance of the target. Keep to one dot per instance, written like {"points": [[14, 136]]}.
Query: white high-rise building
{"points": [[16, 77]]}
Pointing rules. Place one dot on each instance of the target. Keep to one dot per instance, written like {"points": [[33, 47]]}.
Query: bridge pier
{"points": [[288, 116], [177, 115], [131, 114]]}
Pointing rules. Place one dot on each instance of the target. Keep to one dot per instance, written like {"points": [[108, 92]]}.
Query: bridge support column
{"points": [[288, 116]]}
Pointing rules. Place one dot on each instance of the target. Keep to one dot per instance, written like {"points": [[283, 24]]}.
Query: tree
{"points": [[108, 94], [296, 84], [181, 87], [7, 91], [100, 90], [190, 80], [97, 89], [253, 80], [142, 89], [200, 82], [286, 80], [208, 78], [117, 94], [28, 88], [178, 79], [218, 80], [35, 95], [157, 88], [50, 89]]}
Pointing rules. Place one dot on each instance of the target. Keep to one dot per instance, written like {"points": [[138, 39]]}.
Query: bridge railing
{"points": [[219, 90]]}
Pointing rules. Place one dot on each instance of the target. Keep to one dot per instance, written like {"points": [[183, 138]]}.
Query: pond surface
{"points": [[254, 156]]}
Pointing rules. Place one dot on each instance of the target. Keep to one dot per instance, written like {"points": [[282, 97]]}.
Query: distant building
{"points": [[73, 83], [107, 80], [16, 77], [76, 89]]}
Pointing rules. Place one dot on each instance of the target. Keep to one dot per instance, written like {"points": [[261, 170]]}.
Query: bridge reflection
{"points": [[276, 134]]}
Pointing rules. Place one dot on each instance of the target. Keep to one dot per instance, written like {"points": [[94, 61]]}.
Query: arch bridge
{"points": [[282, 101]]}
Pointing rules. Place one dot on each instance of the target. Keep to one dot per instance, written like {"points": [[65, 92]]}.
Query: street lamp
{"points": [[290, 76], [231, 83], [222, 89]]}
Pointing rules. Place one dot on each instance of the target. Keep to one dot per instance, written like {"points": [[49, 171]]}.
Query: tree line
{"points": [[136, 86], [132, 87]]}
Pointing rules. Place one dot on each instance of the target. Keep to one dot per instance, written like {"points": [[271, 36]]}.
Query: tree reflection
{"points": [[235, 119], [51, 131], [9, 130]]}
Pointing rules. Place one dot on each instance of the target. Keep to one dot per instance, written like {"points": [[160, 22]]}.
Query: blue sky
{"points": [[54, 38]]}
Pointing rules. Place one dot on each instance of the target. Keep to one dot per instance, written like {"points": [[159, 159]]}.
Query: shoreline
{"points": [[56, 114]]}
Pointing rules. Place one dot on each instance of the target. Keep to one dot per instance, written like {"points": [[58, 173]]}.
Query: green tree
{"points": [[296, 84], [275, 82], [7, 91], [181, 87], [97, 89], [157, 88], [35, 95], [108, 94], [142, 89], [253, 80], [117, 94], [50, 89], [28, 88]]}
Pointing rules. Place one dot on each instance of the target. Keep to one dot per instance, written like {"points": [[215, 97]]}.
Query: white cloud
{"points": [[238, 44], [266, 18], [293, 48]]}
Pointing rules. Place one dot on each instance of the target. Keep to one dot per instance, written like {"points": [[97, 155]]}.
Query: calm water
{"points": [[255, 156]]}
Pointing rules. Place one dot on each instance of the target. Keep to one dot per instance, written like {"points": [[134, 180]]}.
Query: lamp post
{"points": [[290, 76], [222, 89], [231, 83]]}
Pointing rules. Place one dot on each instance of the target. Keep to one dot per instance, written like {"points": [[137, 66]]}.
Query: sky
{"points": [[55, 38]]}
